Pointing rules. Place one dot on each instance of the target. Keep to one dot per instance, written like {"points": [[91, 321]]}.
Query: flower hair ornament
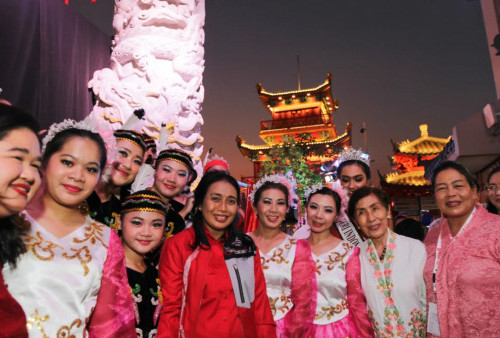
{"points": [[337, 187], [352, 154], [107, 134], [56, 128], [287, 180], [312, 189]]}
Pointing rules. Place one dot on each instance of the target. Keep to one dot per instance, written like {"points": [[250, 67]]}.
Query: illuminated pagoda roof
{"points": [[299, 113], [415, 178], [424, 145], [258, 152], [305, 98], [407, 162]]}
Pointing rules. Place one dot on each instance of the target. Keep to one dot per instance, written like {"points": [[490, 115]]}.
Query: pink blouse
{"points": [[468, 277]]}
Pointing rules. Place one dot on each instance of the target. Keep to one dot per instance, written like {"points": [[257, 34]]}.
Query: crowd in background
{"points": [[94, 242]]}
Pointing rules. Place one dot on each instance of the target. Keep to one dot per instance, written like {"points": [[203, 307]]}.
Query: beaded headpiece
{"points": [[149, 142], [181, 157], [56, 128], [287, 180], [144, 200], [132, 136], [312, 189]]}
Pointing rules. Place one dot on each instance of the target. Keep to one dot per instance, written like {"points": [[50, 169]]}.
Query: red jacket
{"points": [[182, 305]]}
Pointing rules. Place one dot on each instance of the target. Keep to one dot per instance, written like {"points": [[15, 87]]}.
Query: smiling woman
{"points": [[326, 289], [463, 254], [89, 295], [391, 268], [211, 273], [271, 199], [20, 179]]}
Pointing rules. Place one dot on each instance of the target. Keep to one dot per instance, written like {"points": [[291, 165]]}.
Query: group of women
{"points": [[67, 274], [323, 286]]}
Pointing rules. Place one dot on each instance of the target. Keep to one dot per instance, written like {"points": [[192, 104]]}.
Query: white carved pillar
{"points": [[157, 64]]}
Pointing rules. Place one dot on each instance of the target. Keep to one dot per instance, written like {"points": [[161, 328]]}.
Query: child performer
{"points": [[142, 225]]}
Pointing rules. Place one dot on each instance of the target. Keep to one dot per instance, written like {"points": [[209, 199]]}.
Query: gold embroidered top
{"points": [[57, 280], [277, 266]]}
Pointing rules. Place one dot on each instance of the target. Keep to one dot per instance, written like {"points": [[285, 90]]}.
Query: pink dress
{"points": [[468, 277], [327, 294]]}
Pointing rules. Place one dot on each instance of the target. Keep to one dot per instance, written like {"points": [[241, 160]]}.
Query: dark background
{"points": [[395, 64]]}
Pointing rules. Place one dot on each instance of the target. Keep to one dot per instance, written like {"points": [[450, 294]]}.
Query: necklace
{"points": [[382, 255]]}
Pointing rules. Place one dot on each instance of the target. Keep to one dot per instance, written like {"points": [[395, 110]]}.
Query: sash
{"points": [[347, 229]]}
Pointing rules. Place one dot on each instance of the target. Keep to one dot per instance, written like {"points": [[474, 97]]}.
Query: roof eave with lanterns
{"points": [[335, 144], [320, 96]]}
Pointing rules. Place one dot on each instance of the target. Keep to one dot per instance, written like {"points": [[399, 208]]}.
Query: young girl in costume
{"points": [[20, 162], [326, 288], [174, 172], [72, 279], [104, 203], [211, 274], [271, 198], [142, 225]]}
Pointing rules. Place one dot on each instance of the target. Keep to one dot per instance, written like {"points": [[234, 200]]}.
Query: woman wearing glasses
{"points": [[493, 191]]}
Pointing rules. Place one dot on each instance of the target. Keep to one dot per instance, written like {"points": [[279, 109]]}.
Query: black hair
{"points": [[493, 172], [199, 197], [12, 227], [237, 244], [456, 166], [12, 118], [363, 165], [64, 136], [410, 228], [364, 192], [329, 192], [489, 206], [270, 185]]}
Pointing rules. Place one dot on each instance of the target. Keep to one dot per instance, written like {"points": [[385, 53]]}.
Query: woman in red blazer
{"points": [[210, 274]]}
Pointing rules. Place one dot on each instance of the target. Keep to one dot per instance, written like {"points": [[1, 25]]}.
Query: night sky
{"points": [[395, 64]]}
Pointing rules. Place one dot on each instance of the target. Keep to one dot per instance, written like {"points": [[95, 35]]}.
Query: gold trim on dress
{"points": [[331, 311], [35, 319], [37, 243], [65, 331]]}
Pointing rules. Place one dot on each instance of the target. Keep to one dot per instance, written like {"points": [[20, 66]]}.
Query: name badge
{"points": [[432, 320]]}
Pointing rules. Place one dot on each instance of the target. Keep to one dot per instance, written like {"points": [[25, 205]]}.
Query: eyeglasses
{"points": [[492, 188]]}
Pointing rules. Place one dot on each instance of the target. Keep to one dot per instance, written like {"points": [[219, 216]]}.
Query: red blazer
{"points": [[177, 256]]}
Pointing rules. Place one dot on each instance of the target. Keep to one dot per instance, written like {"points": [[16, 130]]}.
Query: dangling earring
{"points": [[83, 207]]}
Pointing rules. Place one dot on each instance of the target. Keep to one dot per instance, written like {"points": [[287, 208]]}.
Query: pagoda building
{"points": [[297, 113], [410, 191]]}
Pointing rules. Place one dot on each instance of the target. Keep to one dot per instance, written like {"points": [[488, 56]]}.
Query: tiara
{"points": [[217, 159], [287, 180], [354, 154], [312, 189], [56, 128]]}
